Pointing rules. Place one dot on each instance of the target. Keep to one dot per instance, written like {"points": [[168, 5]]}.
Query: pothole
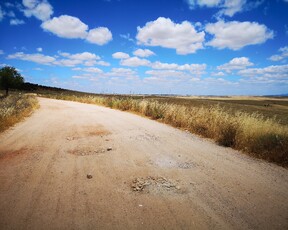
{"points": [[87, 132], [154, 184], [90, 150], [88, 141], [81, 152], [186, 165], [100, 133]]}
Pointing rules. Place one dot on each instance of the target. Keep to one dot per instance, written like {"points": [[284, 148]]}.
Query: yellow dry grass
{"points": [[15, 108]]}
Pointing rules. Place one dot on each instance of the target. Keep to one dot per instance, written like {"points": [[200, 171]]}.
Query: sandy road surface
{"points": [[189, 183]]}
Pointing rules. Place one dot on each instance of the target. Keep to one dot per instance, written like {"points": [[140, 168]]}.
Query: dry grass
{"points": [[252, 133], [14, 108]]}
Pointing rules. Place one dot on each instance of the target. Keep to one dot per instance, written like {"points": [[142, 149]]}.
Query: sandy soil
{"points": [[155, 176]]}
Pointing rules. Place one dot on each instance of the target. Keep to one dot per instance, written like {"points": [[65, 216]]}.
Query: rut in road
{"points": [[144, 175]]}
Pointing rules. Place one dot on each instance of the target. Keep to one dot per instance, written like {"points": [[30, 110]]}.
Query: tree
{"points": [[10, 78]]}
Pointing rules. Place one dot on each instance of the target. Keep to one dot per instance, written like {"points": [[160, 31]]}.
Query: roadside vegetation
{"points": [[251, 132], [15, 108]]}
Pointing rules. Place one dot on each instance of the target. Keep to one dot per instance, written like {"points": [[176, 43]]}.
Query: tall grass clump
{"points": [[264, 138], [251, 133], [14, 108]]}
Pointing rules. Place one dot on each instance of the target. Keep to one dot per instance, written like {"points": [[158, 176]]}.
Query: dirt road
{"points": [[145, 175]]}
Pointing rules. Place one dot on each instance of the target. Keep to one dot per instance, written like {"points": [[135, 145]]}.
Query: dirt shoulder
{"points": [[145, 175]]}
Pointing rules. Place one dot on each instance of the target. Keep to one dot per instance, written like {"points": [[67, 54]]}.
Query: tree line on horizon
{"points": [[11, 79]]}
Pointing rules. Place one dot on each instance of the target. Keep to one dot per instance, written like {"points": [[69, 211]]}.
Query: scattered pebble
{"points": [[109, 148], [89, 176]]}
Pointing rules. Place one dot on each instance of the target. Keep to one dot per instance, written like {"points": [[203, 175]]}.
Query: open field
{"points": [[268, 107], [143, 175], [255, 125]]}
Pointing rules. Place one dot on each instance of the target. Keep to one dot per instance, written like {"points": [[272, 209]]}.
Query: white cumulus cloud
{"points": [[66, 26], [99, 36], [93, 70], [161, 65], [218, 74], [235, 64], [37, 58], [173, 72], [134, 62], [39, 49], [39, 9], [121, 72], [270, 72], [62, 59], [143, 53], [283, 54], [165, 33], [90, 63], [236, 35], [120, 55], [67, 62], [84, 56], [196, 69], [103, 63]]}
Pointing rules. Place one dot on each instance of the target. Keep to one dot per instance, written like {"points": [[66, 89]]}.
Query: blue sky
{"points": [[194, 47]]}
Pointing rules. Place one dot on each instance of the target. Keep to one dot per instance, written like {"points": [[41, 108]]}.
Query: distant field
{"points": [[269, 107]]}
